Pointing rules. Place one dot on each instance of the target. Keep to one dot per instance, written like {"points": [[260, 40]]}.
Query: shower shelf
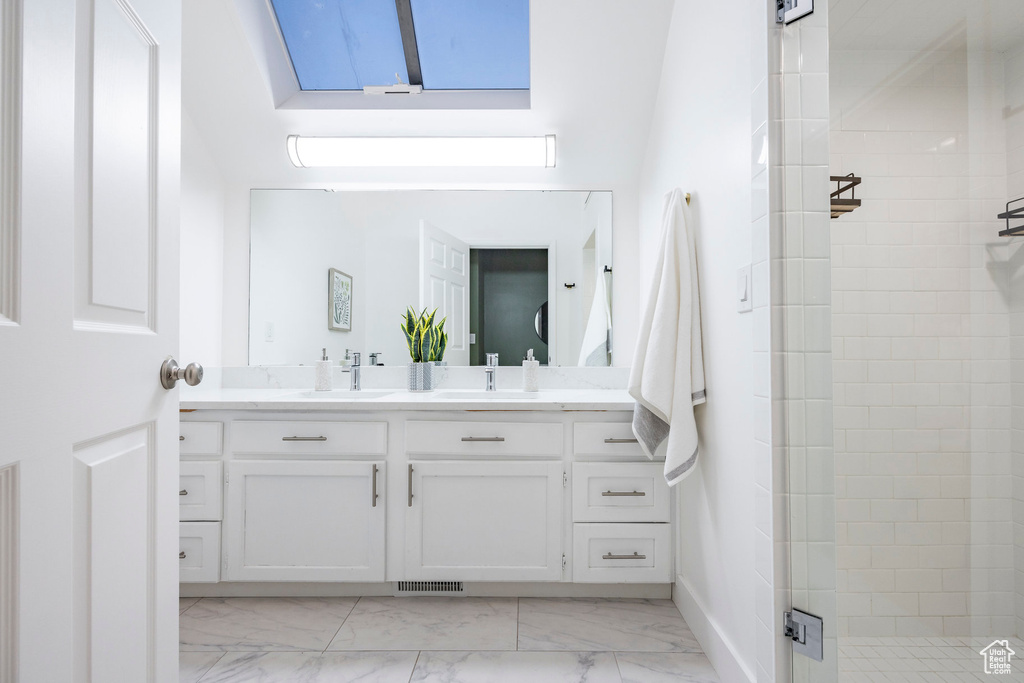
{"points": [[1011, 215], [844, 205]]}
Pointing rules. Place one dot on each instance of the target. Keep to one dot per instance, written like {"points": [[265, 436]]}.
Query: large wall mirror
{"points": [[510, 270]]}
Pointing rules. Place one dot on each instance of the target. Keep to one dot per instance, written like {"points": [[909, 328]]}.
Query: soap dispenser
{"points": [[324, 374], [531, 370]]}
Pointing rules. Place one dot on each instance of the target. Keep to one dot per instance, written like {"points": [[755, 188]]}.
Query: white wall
{"points": [[202, 250], [374, 236], [700, 142]]}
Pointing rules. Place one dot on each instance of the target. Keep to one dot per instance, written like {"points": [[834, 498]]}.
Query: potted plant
{"points": [[427, 343]]}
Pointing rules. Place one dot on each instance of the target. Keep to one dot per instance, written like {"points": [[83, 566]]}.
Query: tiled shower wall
{"points": [[920, 300], [1014, 117]]}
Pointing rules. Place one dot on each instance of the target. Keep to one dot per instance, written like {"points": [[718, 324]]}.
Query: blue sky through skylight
{"points": [[342, 44], [462, 44]]}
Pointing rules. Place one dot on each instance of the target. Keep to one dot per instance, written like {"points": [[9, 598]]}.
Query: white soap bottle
{"points": [[324, 374], [531, 370]]}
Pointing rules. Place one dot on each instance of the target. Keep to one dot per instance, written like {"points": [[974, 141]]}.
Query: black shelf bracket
{"points": [[843, 205], [1013, 214]]}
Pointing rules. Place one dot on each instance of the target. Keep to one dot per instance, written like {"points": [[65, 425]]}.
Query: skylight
{"points": [[439, 44]]}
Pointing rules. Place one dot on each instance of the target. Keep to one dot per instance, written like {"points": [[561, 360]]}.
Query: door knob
{"points": [[170, 373]]}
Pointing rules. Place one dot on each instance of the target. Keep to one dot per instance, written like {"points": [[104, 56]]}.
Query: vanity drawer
{"points": [[622, 553], [199, 552], [305, 438], [200, 491], [605, 438], [483, 438], [619, 492], [200, 438]]}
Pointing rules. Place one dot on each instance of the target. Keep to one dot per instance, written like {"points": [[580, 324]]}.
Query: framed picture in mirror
{"points": [[339, 301]]}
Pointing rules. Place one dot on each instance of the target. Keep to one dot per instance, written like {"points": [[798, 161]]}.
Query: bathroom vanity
{"points": [[281, 486]]}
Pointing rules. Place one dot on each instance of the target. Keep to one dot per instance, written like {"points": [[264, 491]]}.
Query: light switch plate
{"points": [[472, 338], [744, 290]]}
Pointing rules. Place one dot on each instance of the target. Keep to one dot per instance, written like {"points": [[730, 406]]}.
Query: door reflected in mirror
{"points": [[495, 265]]}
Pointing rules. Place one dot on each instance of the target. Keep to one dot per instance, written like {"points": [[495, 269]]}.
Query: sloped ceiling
{"points": [[595, 69]]}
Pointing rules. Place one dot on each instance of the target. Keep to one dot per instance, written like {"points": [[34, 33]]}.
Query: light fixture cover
{"points": [[420, 151]]}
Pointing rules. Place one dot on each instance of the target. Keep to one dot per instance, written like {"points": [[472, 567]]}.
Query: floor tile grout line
{"points": [[210, 668], [414, 665], [341, 625]]}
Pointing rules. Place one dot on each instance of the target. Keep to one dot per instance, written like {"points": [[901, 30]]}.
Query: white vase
{"points": [[421, 376]]}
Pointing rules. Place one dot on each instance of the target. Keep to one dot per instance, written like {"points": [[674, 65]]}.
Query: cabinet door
{"points": [[305, 521], [484, 521]]}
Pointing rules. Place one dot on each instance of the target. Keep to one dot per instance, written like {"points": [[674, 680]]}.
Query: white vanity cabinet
{"points": [[484, 521], [305, 520]]}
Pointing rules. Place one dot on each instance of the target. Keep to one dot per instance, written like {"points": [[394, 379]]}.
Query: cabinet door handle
{"points": [[483, 438], [410, 485], [621, 441], [183, 492], [623, 493], [373, 497], [303, 438], [634, 556], [181, 437], [181, 555]]}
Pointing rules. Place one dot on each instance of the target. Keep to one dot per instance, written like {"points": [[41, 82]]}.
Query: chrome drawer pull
{"points": [[303, 438], [373, 498], [483, 438], [634, 556], [621, 441], [181, 437], [183, 492], [623, 493], [181, 555]]}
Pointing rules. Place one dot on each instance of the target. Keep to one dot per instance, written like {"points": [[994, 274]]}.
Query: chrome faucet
{"points": [[356, 369], [492, 364]]}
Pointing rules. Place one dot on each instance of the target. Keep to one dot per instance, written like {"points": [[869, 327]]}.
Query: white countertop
{"points": [[216, 398]]}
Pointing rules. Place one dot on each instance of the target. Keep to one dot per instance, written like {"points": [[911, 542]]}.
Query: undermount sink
{"points": [[343, 394], [485, 395]]}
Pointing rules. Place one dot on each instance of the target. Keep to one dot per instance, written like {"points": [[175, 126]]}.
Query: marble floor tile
{"points": [[193, 665], [428, 623], [269, 624], [515, 667], [185, 603], [665, 667], [313, 667], [595, 624]]}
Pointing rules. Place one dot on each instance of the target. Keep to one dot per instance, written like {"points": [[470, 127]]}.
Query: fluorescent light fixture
{"points": [[525, 151]]}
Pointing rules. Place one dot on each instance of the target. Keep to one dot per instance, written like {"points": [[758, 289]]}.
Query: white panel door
{"points": [[484, 521], [89, 157], [309, 520], [444, 285]]}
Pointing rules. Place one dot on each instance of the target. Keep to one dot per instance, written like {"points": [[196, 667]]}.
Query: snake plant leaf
{"points": [[408, 337], [440, 325], [417, 344], [442, 344], [410, 319], [426, 344]]}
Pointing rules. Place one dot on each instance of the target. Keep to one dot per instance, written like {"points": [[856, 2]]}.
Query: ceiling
{"points": [[595, 69]]}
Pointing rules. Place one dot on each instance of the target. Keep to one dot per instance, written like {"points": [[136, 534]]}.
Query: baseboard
{"points": [[255, 589], [719, 649]]}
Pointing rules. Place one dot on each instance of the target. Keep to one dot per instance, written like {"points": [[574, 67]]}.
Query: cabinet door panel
{"points": [[304, 520], [494, 521]]}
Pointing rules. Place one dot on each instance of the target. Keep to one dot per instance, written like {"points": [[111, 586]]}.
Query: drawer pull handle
{"points": [[181, 555], [623, 493], [303, 438], [183, 492], [410, 485], [373, 498], [634, 556], [181, 437], [621, 441], [483, 438]]}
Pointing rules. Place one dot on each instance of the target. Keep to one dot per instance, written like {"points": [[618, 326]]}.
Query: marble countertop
{"points": [[217, 398]]}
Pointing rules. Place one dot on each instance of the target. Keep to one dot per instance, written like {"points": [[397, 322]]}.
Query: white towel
{"points": [[597, 339], [667, 378]]}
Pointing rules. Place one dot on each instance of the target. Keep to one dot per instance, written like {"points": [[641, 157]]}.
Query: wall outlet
{"points": [[268, 332], [744, 290]]}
